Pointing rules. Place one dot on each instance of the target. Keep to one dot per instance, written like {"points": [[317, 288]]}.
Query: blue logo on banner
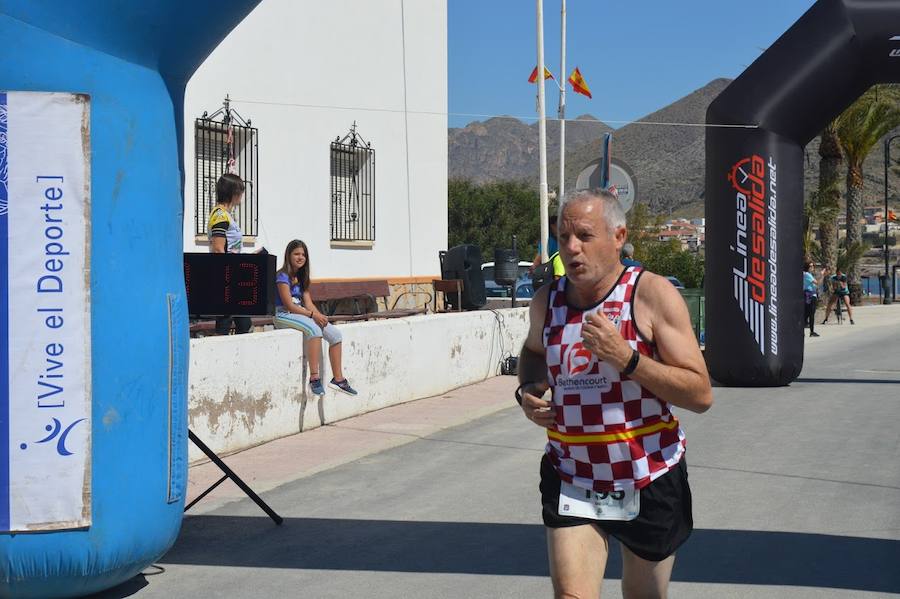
{"points": [[4, 320], [4, 175], [54, 430]]}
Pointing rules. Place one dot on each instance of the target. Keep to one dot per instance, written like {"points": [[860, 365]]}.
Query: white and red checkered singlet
{"points": [[611, 433]]}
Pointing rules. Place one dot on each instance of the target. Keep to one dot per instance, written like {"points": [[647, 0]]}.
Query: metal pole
{"points": [[894, 281], [887, 158], [516, 281], [542, 131], [887, 251], [562, 103]]}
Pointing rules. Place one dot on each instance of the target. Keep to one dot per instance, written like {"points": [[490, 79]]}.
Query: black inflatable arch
{"points": [[754, 180]]}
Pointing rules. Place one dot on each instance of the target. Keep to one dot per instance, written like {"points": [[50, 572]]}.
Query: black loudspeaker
{"points": [[506, 266], [509, 365], [464, 262]]}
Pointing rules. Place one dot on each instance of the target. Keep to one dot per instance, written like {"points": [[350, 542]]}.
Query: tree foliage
{"points": [[668, 259], [662, 257], [489, 215], [849, 254], [821, 208], [825, 205]]}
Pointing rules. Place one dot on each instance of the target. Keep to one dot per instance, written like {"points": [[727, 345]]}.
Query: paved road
{"points": [[796, 494]]}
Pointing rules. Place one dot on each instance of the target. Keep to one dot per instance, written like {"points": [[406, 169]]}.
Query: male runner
{"points": [[615, 355]]}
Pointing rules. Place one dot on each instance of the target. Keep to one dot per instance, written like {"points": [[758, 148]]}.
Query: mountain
{"points": [[505, 148], [667, 159], [665, 149]]}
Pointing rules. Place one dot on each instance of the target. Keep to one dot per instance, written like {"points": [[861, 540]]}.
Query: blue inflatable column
{"points": [[132, 60]]}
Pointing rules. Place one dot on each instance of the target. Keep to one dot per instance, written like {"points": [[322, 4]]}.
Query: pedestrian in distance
{"points": [[810, 298], [628, 255], [840, 293], [615, 348]]}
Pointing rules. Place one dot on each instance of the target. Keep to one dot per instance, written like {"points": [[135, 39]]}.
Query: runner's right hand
{"points": [[537, 410]]}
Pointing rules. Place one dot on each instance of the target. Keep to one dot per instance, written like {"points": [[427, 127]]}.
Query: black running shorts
{"points": [[663, 524]]}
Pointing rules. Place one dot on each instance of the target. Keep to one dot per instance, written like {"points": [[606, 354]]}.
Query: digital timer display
{"points": [[232, 284]]}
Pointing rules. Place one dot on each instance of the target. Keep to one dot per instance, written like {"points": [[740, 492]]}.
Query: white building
{"points": [[302, 72]]}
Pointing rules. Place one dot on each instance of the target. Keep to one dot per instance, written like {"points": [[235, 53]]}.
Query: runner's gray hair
{"points": [[612, 209]]}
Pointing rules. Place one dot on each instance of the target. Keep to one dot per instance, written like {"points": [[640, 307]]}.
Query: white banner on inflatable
{"points": [[45, 333]]}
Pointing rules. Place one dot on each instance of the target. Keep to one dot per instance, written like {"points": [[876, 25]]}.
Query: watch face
{"points": [[233, 284]]}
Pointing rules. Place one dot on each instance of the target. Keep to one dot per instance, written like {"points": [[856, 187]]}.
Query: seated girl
{"points": [[295, 310]]}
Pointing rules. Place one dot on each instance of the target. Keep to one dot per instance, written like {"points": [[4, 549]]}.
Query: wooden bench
{"points": [[363, 295], [329, 295], [446, 286]]}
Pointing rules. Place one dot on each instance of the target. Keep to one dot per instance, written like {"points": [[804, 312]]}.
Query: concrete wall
{"points": [[249, 389], [303, 71]]}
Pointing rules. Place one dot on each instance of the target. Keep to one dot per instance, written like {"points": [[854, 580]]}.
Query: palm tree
{"points": [[849, 254], [859, 129], [829, 194], [821, 212]]}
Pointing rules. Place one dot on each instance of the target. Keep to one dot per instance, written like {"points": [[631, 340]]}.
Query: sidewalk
{"points": [[273, 464], [866, 317]]}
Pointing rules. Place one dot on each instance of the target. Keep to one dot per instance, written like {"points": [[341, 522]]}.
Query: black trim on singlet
{"points": [[634, 322], [603, 299]]}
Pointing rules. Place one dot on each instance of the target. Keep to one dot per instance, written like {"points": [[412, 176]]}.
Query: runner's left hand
{"points": [[537, 409], [602, 338]]}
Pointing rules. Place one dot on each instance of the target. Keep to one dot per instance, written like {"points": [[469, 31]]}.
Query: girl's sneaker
{"points": [[344, 386], [315, 385]]}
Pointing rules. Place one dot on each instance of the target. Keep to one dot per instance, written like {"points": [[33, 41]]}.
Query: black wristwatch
{"points": [[632, 363], [519, 397]]}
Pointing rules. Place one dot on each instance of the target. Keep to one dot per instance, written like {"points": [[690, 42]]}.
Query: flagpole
{"points": [[542, 131], [562, 104]]}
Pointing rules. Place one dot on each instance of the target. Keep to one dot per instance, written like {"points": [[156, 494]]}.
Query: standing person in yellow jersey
{"points": [[226, 237], [615, 355], [554, 263]]}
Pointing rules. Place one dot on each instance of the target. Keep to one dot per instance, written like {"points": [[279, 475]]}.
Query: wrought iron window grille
{"points": [[225, 142], [352, 188]]}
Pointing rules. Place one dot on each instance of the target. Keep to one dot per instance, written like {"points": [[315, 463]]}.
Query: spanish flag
{"points": [[579, 85], [533, 77]]}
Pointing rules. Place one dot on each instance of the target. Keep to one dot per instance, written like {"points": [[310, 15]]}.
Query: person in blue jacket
{"points": [[810, 298]]}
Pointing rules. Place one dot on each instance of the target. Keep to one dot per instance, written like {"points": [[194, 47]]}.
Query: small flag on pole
{"points": [[579, 85], [533, 77], [891, 215]]}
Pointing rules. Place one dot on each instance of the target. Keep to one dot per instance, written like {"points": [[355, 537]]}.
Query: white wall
{"points": [[248, 389], [303, 71]]}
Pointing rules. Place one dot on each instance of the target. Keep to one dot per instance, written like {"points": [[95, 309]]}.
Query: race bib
{"points": [[583, 503]]}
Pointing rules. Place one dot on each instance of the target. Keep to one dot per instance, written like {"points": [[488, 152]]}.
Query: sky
{"points": [[637, 56]]}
